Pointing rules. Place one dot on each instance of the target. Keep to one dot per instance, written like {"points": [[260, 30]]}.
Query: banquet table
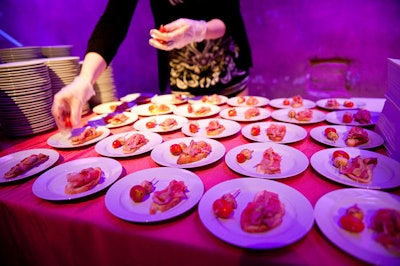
{"points": [[34, 231]]}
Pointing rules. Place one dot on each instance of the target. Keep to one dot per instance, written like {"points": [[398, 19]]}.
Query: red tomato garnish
{"points": [[255, 130], [347, 117], [150, 124], [67, 122], [329, 130], [116, 144], [240, 158], [341, 153], [222, 208], [137, 193], [193, 128], [175, 149], [232, 112], [351, 223], [286, 102], [348, 104]]}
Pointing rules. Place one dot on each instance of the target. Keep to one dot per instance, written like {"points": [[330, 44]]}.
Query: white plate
{"points": [[282, 115], [168, 99], [322, 104], [318, 133], [199, 100], [143, 110], [332, 205], [105, 148], [51, 184], [293, 161], [161, 154], [141, 124], [385, 175], [264, 114], [278, 103], [262, 101], [296, 223], [130, 97], [231, 128], [10, 160], [105, 108], [59, 140], [119, 203], [293, 132], [183, 110], [132, 117], [336, 117]]}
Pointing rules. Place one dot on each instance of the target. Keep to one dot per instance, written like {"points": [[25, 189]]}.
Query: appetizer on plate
{"points": [[88, 133], [25, 165], [130, 144], [168, 197], [82, 181], [193, 152]]}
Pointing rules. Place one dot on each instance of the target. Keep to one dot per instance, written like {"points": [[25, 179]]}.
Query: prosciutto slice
{"points": [[359, 169], [356, 137], [25, 165], [270, 163], [169, 197]]}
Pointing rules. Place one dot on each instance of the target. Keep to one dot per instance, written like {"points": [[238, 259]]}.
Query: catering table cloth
{"points": [[34, 231]]}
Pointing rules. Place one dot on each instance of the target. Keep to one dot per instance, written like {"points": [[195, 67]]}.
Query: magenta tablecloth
{"points": [[34, 231]]}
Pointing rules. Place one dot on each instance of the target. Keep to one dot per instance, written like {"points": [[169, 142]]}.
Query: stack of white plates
{"points": [[56, 51], [16, 54], [105, 88], [387, 124], [25, 98]]}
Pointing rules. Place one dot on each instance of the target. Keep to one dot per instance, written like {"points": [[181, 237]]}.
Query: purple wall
{"points": [[319, 48]]}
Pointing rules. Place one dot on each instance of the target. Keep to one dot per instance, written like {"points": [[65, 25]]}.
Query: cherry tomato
{"points": [[348, 104], [222, 208], [351, 223], [341, 153], [232, 112], [347, 117], [116, 144], [67, 122], [193, 128], [150, 124], [240, 158], [255, 131], [162, 28], [190, 108], [286, 102], [329, 130], [175, 149], [137, 193]]}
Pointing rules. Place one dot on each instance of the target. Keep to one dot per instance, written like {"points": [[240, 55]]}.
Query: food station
{"points": [[277, 151]]}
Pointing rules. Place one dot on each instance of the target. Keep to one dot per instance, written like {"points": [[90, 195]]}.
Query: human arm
{"points": [[181, 32]]}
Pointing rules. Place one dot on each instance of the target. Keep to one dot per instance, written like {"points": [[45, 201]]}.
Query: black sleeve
{"points": [[112, 28]]}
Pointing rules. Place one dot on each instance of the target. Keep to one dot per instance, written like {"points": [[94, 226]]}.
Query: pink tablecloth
{"points": [[84, 232]]}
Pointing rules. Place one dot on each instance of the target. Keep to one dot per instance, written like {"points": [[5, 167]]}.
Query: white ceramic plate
{"points": [[293, 161], [293, 132], [261, 101], [219, 100], [296, 223], [119, 203], [10, 160], [330, 207], [51, 184], [141, 124], [105, 108], [264, 114], [183, 110], [278, 103], [132, 117], [282, 115], [59, 140], [318, 133], [143, 110], [130, 97], [385, 174], [161, 154], [336, 117], [168, 99], [231, 128], [322, 104], [105, 148]]}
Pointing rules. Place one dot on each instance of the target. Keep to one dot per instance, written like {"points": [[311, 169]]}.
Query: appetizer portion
{"points": [[386, 227], [130, 144], [252, 112], [158, 108], [303, 115], [264, 213], [88, 134], [214, 128], [82, 181], [244, 155], [331, 134], [115, 119], [362, 116], [138, 193], [276, 132], [270, 163], [212, 99], [194, 152], [356, 136], [25, 165], [352, 220], [169, 197], [168, 123], [225, 206]]}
